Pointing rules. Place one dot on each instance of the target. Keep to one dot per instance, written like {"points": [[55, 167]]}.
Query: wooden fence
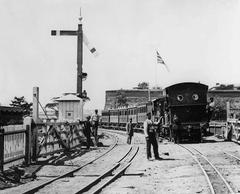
{"points": [[26, 143], [218, 128], [14, 145], [56, 137]]}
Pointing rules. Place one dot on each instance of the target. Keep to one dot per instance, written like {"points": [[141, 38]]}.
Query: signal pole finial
{"points": [[80, 17]]}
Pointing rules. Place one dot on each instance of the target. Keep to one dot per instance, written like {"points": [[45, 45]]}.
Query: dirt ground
{"points": [[175, 173], [45, 167]]}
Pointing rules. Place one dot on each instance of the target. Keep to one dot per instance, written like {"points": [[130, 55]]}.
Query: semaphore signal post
{"points": [[79, 34]]}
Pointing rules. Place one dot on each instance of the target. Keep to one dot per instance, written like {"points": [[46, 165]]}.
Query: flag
{"points": [[160, 60], [90, 47]]}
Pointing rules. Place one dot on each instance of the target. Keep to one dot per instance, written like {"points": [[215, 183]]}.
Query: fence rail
{"points": [[55, 137], [14, 146], [26, 143]]}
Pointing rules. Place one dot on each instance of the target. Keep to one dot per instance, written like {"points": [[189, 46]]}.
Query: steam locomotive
{"points": [[182, 109]]}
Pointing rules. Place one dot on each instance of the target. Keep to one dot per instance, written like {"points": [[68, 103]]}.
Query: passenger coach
{"points": [[182, 110]]}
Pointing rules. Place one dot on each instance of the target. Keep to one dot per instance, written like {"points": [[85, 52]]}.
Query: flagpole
{"points": [[155, 74]]}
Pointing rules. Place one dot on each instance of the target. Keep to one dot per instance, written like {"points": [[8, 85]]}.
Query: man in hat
{"points": [[95, 121], [150, 136], [87, 131], [129, 129]]}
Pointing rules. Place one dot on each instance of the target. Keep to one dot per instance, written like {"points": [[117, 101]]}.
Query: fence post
{"points": [[28, 141], [1, 149], [27, 146], [228, 110], [34, 132], [35, 104]]}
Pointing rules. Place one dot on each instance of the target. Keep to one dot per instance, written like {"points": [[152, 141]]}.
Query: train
{"points": [[182, 110]]}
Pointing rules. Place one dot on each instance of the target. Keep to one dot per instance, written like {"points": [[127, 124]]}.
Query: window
{"points": [[69, 114], [195, 97], [180, 98]]}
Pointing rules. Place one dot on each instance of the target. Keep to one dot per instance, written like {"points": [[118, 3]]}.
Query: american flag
{"points": [[160, 60]]}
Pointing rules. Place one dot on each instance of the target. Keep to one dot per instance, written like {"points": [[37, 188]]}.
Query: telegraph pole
{"points": [[79, 34]]}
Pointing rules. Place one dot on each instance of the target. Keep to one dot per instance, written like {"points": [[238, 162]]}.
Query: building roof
{"points": [[135, 90], [68, 97], [10, 109]]}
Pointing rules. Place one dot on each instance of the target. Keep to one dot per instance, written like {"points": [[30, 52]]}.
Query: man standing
{"points": [[95, 122], [87, 131], [129, 129], [150, 136]]}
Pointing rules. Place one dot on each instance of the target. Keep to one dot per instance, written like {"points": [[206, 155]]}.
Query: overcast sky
{"points": [[198, 39]]}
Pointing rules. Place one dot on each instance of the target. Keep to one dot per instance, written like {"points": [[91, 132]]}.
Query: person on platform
{"points": [[129, 130], [159, 130], [150, 136], [87, 131], [210, 108], [95, 121], [176, 127]]}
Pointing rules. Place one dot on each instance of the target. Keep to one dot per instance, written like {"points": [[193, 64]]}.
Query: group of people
{"points": [[150, 135], [91, 127]]}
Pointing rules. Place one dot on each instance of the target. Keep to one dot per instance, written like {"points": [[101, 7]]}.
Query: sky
{"points": [[199, 40]]}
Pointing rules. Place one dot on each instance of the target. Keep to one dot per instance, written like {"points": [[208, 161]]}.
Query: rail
{"points": [[212, 165], [98, 184], [35, 189]]}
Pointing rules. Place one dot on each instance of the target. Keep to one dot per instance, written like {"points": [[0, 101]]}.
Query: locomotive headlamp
{"points": [[195, 97], [180, 98]]}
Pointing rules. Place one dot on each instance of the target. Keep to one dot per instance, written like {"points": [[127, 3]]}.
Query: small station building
{"points": [[70, 108]]}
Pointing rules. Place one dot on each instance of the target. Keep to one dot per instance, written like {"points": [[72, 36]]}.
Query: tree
{"points": [[121, 100], [157, 87], [143, 85], [20, 102]]}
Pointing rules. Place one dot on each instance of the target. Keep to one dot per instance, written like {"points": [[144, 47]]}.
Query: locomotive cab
{"points": [[187, 110]]}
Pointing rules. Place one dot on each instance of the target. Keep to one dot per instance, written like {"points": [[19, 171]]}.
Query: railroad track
{"points": [[215, 179], [111, 174], [70, 173], [104, 179], [233, 156]]}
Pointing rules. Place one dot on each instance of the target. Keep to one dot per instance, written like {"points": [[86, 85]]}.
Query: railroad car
{"points": [[182, 109], [186, 109], [141, 113], [113, 117], [132, 113], [105, 118], [123, 116]]}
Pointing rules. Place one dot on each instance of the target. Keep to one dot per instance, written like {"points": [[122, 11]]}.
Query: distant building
{"points": [[11, 115], [130, 97], [223, 94]]}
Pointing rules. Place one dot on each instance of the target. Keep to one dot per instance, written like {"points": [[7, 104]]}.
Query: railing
{"points": [[57, 137], [14, 145], [218, 128], [26, 143]]}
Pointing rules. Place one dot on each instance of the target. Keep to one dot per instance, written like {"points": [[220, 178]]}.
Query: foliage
{"points": [[143, 85], [121, 100], [20, 102], [157, 87]]}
